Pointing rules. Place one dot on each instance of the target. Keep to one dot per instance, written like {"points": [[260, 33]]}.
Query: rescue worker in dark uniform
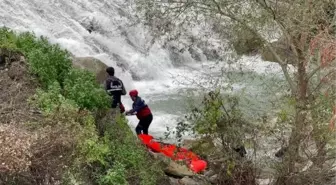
{"points": [[142, 111], [115, 88]]}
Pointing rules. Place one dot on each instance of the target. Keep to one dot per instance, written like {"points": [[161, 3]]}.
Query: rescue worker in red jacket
{"points": [[142, 111]]}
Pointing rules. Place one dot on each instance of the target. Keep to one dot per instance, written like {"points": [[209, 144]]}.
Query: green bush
{"points": [[120, 148], [81, 87], [219, 116], [50, 99], [48, 61], [115, 175], [7, 39], [47, 66], [220, 128]]}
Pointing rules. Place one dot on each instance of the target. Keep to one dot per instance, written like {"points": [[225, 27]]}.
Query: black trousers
{"points": [[116, 102], [143, 125]]}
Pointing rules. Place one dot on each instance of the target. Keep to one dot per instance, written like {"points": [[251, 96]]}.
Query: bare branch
{"points": [[280, 61], [288, 78]]}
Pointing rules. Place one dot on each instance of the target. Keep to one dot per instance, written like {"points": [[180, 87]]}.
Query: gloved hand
{"points": [[127, 113]]}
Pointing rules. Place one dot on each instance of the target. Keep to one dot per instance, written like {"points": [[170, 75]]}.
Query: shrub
{"points": [[126, 151], [221, 127], [219, 117], [115, 175], [82, 87], [7, 39], [48, 61], [50, 99]]}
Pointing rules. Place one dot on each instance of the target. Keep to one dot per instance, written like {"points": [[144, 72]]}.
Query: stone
{"points": [[209, 173], [174, 181], [188, 143], [93, 65], [280, 153], [213, 179], [161, 157], [172, 168], [246, 43], [22, 59], [17, 71], [188, 181], [282, 49], [177, 170]]}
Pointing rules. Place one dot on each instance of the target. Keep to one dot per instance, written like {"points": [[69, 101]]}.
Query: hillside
{"points": [[49, 129]]}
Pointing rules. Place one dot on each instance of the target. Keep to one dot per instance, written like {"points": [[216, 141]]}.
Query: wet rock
{"points": [[122, 63], [90, 23], [175, 55], [280, 153], [195, 54], [211, 54], [240, 150]]}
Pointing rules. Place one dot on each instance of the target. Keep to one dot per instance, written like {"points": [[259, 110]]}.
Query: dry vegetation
{"points": [[16, 87]]}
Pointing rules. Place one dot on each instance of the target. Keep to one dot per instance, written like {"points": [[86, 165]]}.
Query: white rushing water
{"points": [[116, 42]]}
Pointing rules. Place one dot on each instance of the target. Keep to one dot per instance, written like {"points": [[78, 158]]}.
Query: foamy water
{"points": [[161, 84]]}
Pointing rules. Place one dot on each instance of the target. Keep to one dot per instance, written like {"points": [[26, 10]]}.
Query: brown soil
{"points": [[16, 87]]}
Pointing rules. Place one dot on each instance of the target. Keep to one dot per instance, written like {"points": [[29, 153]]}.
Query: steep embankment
{"points": [[49, 115]]}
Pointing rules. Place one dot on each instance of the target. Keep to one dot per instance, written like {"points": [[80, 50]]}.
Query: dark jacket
{"points": [[114, 86], [141, 108]]}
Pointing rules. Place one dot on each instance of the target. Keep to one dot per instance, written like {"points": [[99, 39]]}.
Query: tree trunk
{"points": [[320, 141], [299, 124]]}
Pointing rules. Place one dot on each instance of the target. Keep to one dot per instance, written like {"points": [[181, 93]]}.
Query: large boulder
{"points": [[245, 43], [177, 170], [93, 65], [172, 168], [283, 50]]}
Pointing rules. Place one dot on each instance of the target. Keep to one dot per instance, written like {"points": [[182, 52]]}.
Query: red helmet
{"points": [[133, 93]]}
